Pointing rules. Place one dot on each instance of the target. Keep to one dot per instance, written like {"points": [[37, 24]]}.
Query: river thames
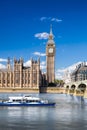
{"points": [[70, 113]]}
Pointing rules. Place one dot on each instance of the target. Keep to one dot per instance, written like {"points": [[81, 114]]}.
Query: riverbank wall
{"points": [[59, 90], [33, 90], [52, 90], [19, 90]]}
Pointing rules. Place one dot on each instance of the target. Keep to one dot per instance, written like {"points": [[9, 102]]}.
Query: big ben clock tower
{"points": [[50, 58]]}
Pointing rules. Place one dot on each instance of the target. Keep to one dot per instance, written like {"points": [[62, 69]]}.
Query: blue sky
{"points": [[25, 24]]}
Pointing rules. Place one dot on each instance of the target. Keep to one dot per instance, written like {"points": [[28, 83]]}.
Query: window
{"points": [[4, 81], [34, 81], [25, 81], [17, 81], [8, 81]]}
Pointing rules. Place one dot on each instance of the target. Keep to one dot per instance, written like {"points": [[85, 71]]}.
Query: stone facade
{"points": [[80, 73], [50, 58], [20, 76]]}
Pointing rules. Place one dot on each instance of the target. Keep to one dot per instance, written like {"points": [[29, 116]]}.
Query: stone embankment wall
{"points": [[19, 90], [34, 90], [85, 94], [52, 90], [58, 90]]}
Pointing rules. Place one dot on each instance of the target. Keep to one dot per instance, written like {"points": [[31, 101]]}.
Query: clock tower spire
{"points": [[51, 33], [50, 58]]}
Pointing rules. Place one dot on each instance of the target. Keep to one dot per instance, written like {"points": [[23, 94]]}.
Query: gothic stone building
{"points": [[50, 58], [80, 73], [20, 76]]}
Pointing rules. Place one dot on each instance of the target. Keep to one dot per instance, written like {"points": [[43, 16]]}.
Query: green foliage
{"points": [[59, 83]]}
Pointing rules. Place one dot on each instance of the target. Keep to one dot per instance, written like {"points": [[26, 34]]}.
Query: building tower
{"points": [[17, 76], [50, 58], [8, 64]]}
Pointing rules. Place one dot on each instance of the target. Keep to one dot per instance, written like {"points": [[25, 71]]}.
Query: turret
{"points": [[8, 64]]}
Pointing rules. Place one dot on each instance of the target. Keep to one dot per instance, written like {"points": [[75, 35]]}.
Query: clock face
{"points": [[50, 50]]}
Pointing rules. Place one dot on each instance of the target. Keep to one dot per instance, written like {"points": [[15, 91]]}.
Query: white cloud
{"points": [[2, 66], [43, 65], [56, 20], [53, 19], [3, 60], [39, 54], [43, 35], [28, 63], [43, 18], [58, 75], [65, 72]]}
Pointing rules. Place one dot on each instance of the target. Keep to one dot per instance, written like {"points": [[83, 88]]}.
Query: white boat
{"points": [[26, 101]]}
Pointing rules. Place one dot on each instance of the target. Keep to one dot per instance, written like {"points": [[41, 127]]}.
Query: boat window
{"points": [[18, 100], [27, 96]]}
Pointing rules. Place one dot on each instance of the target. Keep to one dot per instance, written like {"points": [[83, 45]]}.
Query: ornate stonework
{"points": [[50, 58], [20, 76]]}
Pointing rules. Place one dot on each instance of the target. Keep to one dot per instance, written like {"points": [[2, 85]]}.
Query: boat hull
{"points": [[26, 104]]}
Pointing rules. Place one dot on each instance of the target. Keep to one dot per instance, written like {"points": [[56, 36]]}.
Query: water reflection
{"points": [[68, 114]]}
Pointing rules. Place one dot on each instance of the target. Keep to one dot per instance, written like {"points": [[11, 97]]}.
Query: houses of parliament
{"points": [[19, 76]]}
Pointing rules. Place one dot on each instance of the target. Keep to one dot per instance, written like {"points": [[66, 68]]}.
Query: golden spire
{"points": [[51, 33]]}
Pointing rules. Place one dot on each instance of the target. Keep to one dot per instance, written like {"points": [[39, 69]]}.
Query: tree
{"points": [[59, 83]]}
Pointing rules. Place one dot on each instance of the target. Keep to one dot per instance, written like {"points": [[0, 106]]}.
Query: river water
{"points": [[70, 113]]}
